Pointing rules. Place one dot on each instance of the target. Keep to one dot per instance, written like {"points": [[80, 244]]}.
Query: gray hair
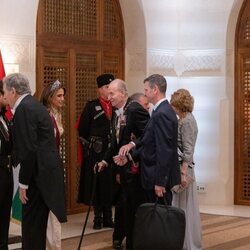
{"points": [[157, 80], [19, 82], [137, 96], [121, 86]]}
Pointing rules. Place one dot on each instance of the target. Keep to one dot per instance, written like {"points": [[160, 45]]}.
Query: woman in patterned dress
{"points": [[186, 199]]}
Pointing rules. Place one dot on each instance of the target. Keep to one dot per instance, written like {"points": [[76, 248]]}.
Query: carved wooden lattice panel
{"points": [[56, 67], [74, 17], [244, 25], [246, 34], [242, 107], [245, 129], [86, 72], [111, 62], [77, 40], [111, 24]]}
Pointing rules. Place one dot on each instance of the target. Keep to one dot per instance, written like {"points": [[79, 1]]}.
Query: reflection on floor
{"points": [[75, 222], [233, 210], [70, 229]]}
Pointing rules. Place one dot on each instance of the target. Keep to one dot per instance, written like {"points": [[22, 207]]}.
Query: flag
{"points": [[16, 214], [2, 71]]}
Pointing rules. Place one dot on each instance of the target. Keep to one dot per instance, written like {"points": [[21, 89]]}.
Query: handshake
{"points": [[124, 156], [121, 159]]}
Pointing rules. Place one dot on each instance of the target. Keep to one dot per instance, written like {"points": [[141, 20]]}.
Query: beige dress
{"points": [[54, 237], [187, 199]]}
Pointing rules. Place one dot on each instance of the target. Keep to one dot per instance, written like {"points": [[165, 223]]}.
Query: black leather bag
{"points": [[159, 227]]}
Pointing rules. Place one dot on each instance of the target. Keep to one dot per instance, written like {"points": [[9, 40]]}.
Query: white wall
{"points": [[191, 42], [17, 35], [135, 44]]}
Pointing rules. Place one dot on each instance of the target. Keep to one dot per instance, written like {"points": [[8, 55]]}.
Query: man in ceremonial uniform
{"points": [[129, 124], [6, 176], [94, 132]]}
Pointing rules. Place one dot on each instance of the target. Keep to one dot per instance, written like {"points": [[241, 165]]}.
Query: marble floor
{"points": [[231, 210], [75, 222]]}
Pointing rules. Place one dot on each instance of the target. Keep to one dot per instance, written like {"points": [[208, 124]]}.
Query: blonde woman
{"points": [[182, 102], [53, 98]]}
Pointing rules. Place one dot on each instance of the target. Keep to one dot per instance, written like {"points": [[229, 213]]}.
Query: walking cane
{"points": [[90, 205]]}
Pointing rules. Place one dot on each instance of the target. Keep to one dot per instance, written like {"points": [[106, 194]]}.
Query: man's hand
{"points": [[100, 166], [22, 195], [124, 150], [120, 160], [160, 191]]}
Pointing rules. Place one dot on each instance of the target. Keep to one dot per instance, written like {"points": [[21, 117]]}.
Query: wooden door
{"points": [[242, 107], [77, 40]]}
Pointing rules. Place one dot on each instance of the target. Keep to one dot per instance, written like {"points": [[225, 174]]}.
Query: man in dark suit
{"points": [[41, 181], [131, 119], [6, 176], [142, 99], [157, 149]]}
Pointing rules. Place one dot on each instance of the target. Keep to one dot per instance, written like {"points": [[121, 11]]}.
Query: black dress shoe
{"points": [[108, 224], [97, 225], [117, 244]]}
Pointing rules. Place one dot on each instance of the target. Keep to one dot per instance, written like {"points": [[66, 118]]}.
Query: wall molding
{"points": [[181, 62], [136, 60], [19, 50]]}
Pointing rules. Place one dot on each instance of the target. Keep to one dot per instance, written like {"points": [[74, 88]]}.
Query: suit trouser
{"points": [[119, 220], [6, 193], [34, 220], [135, 197], [132, 197]]}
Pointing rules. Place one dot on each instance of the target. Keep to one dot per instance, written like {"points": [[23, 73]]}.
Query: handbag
{"points": [[159, 227]]}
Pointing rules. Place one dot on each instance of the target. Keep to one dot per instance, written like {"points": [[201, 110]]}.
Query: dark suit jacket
{"points": [[157, 149], [136, 120], [34, 148]]}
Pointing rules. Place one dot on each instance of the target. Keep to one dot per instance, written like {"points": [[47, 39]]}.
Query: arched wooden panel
{"points": [[76, 41], [242, 107]]}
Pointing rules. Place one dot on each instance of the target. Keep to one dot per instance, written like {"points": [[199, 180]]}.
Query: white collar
{"points": [[120, 110]]}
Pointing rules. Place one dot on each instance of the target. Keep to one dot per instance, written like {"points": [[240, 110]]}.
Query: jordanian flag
{"points": [[16, 214]]}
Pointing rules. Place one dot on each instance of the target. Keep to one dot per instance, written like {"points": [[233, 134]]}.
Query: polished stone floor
{"points": [[75, 222]]}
